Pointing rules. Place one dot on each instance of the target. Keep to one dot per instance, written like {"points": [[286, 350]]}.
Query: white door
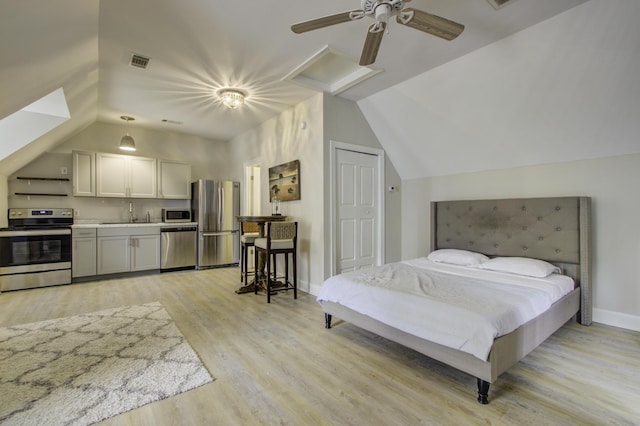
{"points": [[252, 189], [357, 210]]}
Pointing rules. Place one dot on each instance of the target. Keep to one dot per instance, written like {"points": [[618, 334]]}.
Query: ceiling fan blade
{"points": [[432, 24], [372, 45], [326, 21]]}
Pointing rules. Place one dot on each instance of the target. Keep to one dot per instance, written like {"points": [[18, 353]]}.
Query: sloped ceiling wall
{"points": [[48, 54], [563, 90]]}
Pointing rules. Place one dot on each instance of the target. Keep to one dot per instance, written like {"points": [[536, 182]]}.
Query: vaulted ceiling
{"points": [[199, 46]]}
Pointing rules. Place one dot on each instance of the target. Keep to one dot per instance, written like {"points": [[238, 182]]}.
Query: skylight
{"points": [[31, 122]]}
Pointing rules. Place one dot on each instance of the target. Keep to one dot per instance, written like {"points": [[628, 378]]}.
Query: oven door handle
{"points": [[34, 232]]}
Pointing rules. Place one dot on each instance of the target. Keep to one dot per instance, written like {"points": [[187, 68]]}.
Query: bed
{"points": [[554, 230]]}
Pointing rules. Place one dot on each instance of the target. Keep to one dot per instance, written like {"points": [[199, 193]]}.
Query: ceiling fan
{"points": [[380, 11]]}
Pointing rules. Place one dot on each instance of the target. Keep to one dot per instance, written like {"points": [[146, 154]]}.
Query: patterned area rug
{"points": [[83, 369]]}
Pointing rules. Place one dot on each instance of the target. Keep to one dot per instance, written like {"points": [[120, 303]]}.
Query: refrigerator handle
{"points": [[220, 205], [218, 234]]}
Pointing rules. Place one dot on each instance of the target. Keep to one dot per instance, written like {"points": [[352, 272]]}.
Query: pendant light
{"points": [[127, 143]]}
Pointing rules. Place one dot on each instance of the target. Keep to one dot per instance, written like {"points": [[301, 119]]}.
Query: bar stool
{"points": [[281, 238], [248, 234]]}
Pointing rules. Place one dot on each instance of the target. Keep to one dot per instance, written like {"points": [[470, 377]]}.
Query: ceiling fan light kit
{"points": [[231, 98], [380, 11], [127, 143]]}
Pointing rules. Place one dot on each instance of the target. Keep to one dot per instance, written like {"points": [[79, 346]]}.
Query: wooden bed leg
{"points": [[327, 320], [483, 391]]}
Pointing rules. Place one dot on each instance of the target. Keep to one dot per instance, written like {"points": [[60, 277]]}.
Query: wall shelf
{"points": [[43, 194], [43, 178], [53, 192]]}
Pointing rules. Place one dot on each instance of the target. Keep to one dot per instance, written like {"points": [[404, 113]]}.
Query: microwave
{"points": [[169, 215]]}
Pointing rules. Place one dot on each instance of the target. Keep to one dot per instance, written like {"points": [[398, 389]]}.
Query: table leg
{"points": [[259, 277]]}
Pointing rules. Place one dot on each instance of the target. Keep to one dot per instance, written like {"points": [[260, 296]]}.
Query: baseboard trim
{"points": [[616, 319], [315, 289]]}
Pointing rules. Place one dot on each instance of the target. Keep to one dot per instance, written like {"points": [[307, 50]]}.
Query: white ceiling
{"points": [[199, 46], [561, 91]]}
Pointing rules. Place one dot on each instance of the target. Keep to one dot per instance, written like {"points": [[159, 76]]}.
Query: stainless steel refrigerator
{"points": [[215, 205]]}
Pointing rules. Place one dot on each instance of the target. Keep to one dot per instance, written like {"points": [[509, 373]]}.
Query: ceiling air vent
{"points": [[497, 4], [139, 61]]}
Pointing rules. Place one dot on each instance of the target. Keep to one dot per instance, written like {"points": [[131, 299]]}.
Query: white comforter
{"points": [[459, 307]]}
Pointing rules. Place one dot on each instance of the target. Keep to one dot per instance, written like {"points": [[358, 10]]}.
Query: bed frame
{"points": [[557, 230]]}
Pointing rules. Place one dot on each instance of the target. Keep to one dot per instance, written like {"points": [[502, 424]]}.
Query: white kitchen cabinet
{"points": [[174, 180], [126, 176], [84, 174], [145, 252], [128, 249], [83, 252], [114, 254]]}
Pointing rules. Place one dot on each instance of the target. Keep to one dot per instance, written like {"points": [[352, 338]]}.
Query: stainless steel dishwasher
{"points": [[178, 247]]}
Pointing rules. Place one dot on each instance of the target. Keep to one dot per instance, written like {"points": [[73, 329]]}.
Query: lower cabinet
{"points": [[83, 252], [128, 249], [145, 252]]}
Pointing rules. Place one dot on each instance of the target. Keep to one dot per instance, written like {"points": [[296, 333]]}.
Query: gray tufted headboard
{"points": [[557, 230]]}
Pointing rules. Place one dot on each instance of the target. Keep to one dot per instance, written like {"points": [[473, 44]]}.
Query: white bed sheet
{"points": [[464, 308]]}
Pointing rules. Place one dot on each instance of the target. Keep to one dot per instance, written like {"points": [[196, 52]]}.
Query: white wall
{"points": [[551, 110], [611, 182], [208, 160], [4, 193], [283, 139], [562, 90], [345, 122], [280, 140]]}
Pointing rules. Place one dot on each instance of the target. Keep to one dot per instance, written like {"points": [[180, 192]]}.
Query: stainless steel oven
{"points": [[35, 250]]}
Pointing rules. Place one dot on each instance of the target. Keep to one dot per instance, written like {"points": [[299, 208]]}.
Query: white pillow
{"points": [[521, 266], [457, 257]]}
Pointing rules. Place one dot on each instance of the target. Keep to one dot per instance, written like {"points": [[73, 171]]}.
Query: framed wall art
{"points": [[284, 181]]}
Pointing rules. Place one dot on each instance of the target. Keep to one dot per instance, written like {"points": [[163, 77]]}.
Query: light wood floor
{"points": [[276, 364]]}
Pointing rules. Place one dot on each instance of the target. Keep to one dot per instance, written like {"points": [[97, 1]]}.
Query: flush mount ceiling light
{"points": [[127, 143], [231, 98]]}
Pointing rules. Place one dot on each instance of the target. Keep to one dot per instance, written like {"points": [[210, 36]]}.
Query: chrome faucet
{"points": [[131, 217]]}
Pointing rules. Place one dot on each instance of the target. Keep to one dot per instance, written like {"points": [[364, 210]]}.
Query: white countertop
{"points": [[108, 224]]}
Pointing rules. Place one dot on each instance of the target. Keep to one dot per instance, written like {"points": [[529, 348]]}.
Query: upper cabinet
{"points": [[174, 179], [125, 176], [84, 174]]}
